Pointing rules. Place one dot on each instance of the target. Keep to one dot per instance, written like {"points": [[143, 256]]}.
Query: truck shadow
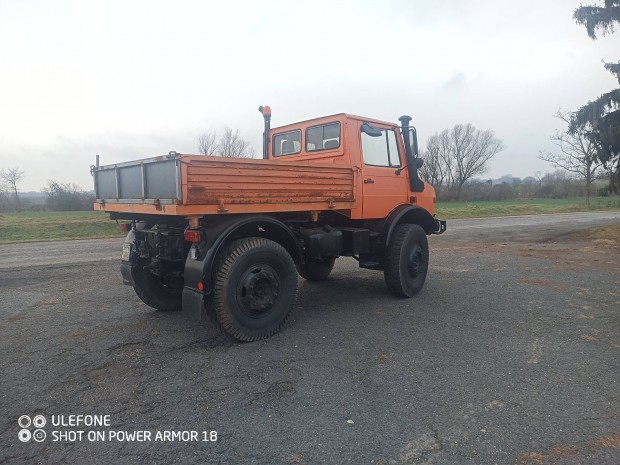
{"points": [[343, 291], [340, 289]]}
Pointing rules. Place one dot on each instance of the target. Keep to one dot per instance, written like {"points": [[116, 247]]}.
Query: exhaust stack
{"points": [[415, 183], [266, 112]]}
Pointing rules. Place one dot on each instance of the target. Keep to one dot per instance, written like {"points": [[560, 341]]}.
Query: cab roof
{"points": [[336, 116]]}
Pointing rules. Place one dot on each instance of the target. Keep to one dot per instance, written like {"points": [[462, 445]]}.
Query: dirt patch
{"points": [[576, 246], [607, 234], [296, 458], [556, 453], [542, 283], [612, 441], [604, 235]]}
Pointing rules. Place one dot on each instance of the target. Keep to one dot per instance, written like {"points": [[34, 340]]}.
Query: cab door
{"points": [[383, 188]]}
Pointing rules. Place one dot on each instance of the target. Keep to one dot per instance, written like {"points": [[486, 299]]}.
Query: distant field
{"points": [[452, 210], [43, 226]]}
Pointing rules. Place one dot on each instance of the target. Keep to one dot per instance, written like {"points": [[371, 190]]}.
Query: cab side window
{"points": [[324, 137], [381, 150]]}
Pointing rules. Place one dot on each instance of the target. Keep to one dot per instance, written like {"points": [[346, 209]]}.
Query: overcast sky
{"points": [[134, 79]]}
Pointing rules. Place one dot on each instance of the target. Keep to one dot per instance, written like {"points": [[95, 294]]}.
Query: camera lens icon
{"points": [[39, 435], [23, 421], [24, 435], [39, 421]]}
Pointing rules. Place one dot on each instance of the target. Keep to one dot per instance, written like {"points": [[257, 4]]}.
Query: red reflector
{"points": [[200, 286], [192, 235], [124, 227]]}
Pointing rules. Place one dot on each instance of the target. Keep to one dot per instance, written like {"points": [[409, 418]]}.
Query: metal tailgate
{"points": [[149, 181]]}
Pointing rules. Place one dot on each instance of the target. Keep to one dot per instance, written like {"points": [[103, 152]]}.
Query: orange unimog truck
{"points": [[226, 237]]}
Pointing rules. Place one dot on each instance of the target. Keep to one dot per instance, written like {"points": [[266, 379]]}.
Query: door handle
{"points": [[369, 181]]}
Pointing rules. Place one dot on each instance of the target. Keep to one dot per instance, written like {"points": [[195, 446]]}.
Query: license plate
{"points": [[126, 252]]}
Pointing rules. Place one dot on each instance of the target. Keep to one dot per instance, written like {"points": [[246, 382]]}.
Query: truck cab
{"points": [[375, 148]]}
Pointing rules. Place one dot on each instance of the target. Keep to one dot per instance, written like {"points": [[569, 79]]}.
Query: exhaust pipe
{"points": [[415, 183], [266, 112]]}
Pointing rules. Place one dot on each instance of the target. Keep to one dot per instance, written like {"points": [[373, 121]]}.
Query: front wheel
{"points": [[255, 289], [406, 260]]}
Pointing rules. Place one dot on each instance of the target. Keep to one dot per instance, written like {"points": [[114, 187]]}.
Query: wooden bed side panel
{"points": [[225, 181]]}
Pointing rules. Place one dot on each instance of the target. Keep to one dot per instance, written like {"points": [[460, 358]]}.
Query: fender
{"points": [[403, 213], [201, 268], [408, 214]]}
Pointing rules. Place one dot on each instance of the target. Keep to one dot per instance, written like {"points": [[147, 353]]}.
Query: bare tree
{"points": [[207, 143], [431, 169], [5, 203], [11, 177], [435, 168], [472, 150], [578, 153], [229, 144], [233, 145], [461, 153]]}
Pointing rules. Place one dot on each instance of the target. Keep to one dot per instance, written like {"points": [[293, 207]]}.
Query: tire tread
{"points": [[392, 274], [219, 311]]}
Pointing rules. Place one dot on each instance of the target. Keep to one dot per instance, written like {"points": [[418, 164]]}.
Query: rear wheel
{"points": [[316, 270], [255, 289], [406, 260], [163, 293]]}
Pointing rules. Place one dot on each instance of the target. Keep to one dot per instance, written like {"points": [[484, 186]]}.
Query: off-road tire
{"points": [[406, 260], [153, 292], [316, 270], [254, 290]]}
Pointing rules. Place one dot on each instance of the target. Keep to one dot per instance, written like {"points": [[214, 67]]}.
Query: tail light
{"points": [[124, 227], [192, 235]]}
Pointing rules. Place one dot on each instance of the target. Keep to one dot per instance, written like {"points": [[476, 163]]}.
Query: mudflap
{"points": [[193, 305], [126, 274]]}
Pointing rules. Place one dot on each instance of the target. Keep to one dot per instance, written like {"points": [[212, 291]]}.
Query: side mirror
{"points": [[371, 130], [418, 163]]}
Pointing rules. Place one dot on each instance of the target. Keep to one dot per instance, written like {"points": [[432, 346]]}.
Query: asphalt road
{"points": [[510, 355]]}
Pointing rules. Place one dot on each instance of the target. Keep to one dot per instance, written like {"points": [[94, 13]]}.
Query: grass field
{"points": [[43, 226], [452, 210]]}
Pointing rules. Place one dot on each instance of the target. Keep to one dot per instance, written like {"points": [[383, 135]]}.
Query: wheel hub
{"points": [[258, 290], [416, 261]]}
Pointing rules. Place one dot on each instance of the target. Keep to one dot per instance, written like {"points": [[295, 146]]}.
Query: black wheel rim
{"points": [[415, 262], [258, 290]]}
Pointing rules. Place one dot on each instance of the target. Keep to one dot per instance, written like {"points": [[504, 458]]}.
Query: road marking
{"points": [[534, 352]]}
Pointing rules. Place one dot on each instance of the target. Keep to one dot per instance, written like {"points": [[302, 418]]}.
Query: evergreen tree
{"points": [[601, 117]]}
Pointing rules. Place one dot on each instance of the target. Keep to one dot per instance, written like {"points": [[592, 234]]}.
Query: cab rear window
{"points": [[286, 143]]}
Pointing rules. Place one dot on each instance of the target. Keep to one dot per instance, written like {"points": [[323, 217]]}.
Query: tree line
{"points": [[59, 196]]}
